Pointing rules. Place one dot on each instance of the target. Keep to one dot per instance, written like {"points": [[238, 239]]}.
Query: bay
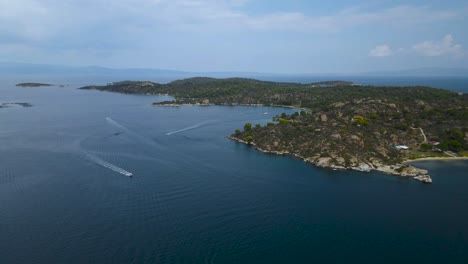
{"points": [[195, 196]]}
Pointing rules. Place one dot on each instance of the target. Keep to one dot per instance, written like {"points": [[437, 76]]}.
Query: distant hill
{"points": [[46, 69], [19, 69], [428, 71], [50, 70], [222, 91]]}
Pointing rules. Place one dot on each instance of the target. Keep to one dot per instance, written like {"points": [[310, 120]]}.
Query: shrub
{"points": [[401, 126], [359, 120]]}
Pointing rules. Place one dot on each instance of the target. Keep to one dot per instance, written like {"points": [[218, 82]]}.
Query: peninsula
{"points": [[339, 125]]}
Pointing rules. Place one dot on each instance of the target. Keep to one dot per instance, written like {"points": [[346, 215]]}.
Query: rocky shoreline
{"points": [[402, 170]]}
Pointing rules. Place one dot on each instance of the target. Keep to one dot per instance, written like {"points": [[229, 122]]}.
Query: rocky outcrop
{"points": [[424, 178], [324, 118], [337, 162]]}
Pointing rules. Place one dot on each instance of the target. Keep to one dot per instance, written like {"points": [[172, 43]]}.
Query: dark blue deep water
{"points": [[197, 197]]}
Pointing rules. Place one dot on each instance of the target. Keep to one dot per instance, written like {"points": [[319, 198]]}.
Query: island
{"points": [[4, 105], [338, 124], [33, 84]]}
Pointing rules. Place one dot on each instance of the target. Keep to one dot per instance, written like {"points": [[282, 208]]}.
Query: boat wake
{"points": [[114, 123], [126, 130], [187, 128], [106, 164]]}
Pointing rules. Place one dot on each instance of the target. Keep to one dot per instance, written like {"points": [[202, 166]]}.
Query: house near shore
{"points": [[401, 147]]}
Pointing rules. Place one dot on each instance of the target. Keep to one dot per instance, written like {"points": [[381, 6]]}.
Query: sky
{"points": [[270, 36]]}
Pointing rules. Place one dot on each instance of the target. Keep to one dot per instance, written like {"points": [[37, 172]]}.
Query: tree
{"points": [[250, 139], [443, 146], [258, 126], [247, 127], [456, 134], [425, 147], [238, 131], [283, 115], [454, 145]]}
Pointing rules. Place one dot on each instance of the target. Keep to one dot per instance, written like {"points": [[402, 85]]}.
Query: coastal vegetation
{"points": [[338, 124]]}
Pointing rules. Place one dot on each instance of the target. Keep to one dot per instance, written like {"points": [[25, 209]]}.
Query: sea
{"points": [[194, 196]]}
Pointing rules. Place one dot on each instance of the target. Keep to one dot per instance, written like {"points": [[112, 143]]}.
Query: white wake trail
{"points": [[106, 164], [187, 128], [114, 123], [144, 139]]}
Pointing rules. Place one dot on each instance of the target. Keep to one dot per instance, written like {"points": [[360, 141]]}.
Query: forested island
{"points": [[4, 105], [339, 125], [33, 84]]}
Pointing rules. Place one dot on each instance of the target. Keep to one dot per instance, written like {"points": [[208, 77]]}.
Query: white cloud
{"points": [[443, 47], [401, 16], [37, 20], [381, 51], [76, 29]]}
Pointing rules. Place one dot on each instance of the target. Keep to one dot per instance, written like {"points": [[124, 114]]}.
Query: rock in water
{"points": [[424, 178]]}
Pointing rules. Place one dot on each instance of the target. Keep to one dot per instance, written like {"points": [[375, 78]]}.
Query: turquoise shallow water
{"points": [[197, 197]]}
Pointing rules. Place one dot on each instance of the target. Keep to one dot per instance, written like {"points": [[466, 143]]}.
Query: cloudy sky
{"points": [[294, 36]]}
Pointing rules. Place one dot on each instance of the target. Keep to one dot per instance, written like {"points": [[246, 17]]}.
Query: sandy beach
{"points": [[437, 158]]}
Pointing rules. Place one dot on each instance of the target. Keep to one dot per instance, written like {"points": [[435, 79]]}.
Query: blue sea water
{"points": [[197, 197]]}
